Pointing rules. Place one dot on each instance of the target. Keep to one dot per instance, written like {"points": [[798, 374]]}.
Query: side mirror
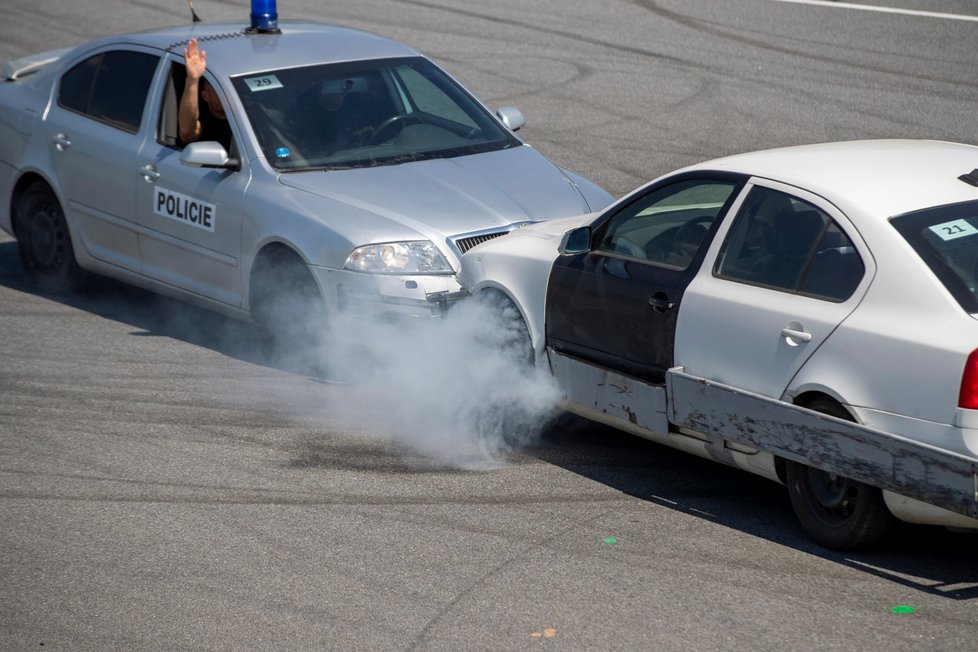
{"points": [[576, 241], [511, 117], [208, 154]]}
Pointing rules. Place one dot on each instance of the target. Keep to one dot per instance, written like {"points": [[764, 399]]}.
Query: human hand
{"points": [[196, 60]]}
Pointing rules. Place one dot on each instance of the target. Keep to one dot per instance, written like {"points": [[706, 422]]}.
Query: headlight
{"points": [[417, 257]]}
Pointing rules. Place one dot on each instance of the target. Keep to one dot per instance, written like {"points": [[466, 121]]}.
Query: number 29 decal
{"points": [[263, 83]]}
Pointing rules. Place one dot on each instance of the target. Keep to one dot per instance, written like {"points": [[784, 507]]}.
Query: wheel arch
{"points": [[536, 330], [808, 396], [269, 255]]}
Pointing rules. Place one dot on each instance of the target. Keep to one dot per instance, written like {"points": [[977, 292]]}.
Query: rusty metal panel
{"points": [[884, 460], [602, 391]]}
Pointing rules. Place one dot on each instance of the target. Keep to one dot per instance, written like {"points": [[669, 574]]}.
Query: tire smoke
{"points": [[461, 390]]}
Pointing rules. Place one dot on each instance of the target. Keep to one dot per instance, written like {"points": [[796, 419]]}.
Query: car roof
{"points": [[881, 178], [233, 50]]}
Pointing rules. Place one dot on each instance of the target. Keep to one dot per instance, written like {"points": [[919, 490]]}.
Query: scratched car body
{"points": [[92, 174], [841, 277]]}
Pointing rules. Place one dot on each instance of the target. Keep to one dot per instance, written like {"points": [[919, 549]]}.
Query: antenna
{"points": [[196, 18], [971, 178]]}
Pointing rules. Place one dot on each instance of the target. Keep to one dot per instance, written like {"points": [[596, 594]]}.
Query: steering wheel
{"points": [[686, 241], [402, 119], [692, 232]]}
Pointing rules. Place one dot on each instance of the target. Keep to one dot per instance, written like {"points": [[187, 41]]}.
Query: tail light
{"points": [[968, 398]]}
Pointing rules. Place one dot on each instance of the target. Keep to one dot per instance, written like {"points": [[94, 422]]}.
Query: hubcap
{"points": [[832, 492], [47, 238]]}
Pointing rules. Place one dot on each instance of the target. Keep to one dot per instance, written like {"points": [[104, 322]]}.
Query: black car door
{"points": [[616, 303]]}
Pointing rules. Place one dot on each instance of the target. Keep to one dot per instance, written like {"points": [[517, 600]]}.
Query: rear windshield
{"points": [[946, 238]]}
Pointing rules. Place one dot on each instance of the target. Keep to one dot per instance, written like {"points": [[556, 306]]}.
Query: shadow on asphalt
{"points": [[149, 313], [928, 559], [932, 560]]}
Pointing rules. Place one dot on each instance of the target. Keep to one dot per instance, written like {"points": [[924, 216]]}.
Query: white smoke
{"points": [[459, 389]]}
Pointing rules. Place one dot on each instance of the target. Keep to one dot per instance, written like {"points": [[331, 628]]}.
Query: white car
{"points": [[840, 277]]}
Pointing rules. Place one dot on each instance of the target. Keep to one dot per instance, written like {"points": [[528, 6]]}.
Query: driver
{"points": [[321, 121]]}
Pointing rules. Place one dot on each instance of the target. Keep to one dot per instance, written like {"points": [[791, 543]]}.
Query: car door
{"points": [[788, 271], [616, 304], [96, 126], [191, 217]]}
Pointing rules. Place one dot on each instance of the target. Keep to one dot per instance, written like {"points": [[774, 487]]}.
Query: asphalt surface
{"points": [[162, 487]]}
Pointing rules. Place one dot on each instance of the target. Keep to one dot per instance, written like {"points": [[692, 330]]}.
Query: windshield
{"points": [[946, 238], [365, 113]]}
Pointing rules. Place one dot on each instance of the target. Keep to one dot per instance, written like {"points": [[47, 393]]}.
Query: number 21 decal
{"points": [[953, 230]]}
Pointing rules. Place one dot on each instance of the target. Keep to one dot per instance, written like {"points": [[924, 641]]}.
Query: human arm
{"points": [[189, 116]]}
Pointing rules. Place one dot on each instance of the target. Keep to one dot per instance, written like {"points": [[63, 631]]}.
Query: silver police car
{"points": [[353, 175]]}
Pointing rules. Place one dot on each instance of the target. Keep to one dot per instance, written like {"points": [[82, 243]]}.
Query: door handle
{"points": [[794, 334], [661, 303], [61, 141], [149, 173]]}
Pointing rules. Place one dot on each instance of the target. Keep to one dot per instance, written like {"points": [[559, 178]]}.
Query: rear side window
{"points": [[786, 243], [110, 87], [946, 238], [77, 83]]}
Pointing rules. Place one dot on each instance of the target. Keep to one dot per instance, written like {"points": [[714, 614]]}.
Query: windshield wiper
{"points": [[395, 160]]}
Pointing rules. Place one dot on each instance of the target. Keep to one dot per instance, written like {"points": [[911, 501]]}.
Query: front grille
{"points": [[464, 244]]}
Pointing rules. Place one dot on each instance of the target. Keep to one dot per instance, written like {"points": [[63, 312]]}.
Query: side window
{"points": [[213, 127], [168, 132], [76, 85], [786, 243], [110, 87], [668, 225]]}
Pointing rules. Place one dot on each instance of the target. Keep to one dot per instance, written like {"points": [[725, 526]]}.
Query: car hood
{"points": [[453, 196]]}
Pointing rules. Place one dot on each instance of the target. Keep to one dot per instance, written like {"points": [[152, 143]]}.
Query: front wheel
{"points": [[290, 312], [44, 241], [511, 331], [837, 512]]}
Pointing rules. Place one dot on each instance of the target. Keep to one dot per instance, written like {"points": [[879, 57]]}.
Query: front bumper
{"points": [[388, 297]]}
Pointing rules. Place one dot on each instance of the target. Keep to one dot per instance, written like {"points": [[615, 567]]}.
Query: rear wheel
{"points": [[44, 241], [837, 512]]}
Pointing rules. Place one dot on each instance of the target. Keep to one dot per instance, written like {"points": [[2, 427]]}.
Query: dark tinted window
{"points": [[77, 83], [667, 226], [786, 243], [946, 238], [110, 87]]}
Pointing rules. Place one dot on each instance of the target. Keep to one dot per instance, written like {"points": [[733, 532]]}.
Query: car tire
{"points": [[288, 308], [45, 242], [836, 512], [507, 425], [515, 333]]}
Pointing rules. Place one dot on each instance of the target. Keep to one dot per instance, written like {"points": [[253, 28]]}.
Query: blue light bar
{"points": [[264, 16]]}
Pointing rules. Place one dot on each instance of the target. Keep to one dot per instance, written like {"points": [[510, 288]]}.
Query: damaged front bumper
{"points": [[445, 300], [388, 297]]}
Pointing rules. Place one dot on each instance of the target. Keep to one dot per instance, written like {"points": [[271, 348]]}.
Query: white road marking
{"points": [[883, 10]]}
